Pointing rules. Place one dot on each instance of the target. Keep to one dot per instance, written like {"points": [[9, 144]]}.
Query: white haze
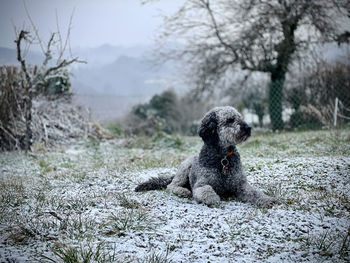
{"points": [[113, 37]]}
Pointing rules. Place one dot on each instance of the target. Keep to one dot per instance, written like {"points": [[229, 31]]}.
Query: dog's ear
{"points": [[208, 128]]}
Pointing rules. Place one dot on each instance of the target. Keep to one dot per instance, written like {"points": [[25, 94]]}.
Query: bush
{"points": [[312, 96], [53, 119], [304, 120], [160, 114], [12, 133]]}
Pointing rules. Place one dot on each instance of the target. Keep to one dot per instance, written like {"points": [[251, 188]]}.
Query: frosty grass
{"points": [[77, 204]]}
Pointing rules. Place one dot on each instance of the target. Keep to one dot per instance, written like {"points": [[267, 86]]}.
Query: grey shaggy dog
{"points": [[217, 171]]}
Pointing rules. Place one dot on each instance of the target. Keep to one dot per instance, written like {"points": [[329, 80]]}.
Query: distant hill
{"points": [[120, 71], [114, 78], [8, 56], [107, 53]]}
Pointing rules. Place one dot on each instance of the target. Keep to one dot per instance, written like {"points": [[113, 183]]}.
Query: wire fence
{"points": [[339, 108], [315, 109], [317, 100]]}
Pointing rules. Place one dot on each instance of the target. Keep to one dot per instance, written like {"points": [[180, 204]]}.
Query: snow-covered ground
{"points": [[77, 203]]}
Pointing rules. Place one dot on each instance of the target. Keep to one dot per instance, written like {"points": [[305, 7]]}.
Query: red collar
{"points": [[225, 156]]}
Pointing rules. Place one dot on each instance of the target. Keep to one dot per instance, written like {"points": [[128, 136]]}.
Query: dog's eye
{"points": [[231, 120]]}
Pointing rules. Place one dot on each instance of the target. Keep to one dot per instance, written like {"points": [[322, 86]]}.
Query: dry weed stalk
{"points": [[324, 114]]}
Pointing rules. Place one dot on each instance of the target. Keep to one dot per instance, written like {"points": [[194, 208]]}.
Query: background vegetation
{"points": [[308, 103]]}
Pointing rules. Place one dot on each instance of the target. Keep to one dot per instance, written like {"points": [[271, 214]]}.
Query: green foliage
{"points": [[116, 128], [162, 139], [160, 114], [57, 84], [166, 113]]}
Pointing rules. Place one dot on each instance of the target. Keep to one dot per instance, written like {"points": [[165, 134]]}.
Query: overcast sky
{"points": [[95, 22]]}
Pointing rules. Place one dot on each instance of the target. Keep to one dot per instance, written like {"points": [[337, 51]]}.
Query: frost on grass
{"points": [[78, 205]]}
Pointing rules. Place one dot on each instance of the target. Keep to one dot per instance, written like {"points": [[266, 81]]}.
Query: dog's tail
{"points": [[154, 183]]}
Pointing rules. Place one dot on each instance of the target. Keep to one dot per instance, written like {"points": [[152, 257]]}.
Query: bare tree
{"points": [[36, 78], [222, 36]]}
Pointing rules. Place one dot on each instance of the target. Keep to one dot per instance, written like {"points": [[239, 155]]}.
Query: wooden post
{"points": [[335, 113]]}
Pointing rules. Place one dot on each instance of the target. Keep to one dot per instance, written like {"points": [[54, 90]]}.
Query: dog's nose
{"points": [[246, 129]]}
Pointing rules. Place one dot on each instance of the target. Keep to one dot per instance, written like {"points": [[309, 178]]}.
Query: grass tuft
{"points": [[128, 220], [81, 254], [127, 202], [158, 257]]}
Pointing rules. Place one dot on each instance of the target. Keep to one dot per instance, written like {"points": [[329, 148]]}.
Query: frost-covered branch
{"points": [[22, 36]]}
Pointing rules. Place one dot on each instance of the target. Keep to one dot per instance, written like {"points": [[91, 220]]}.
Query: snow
{"points": [[83, 197]]}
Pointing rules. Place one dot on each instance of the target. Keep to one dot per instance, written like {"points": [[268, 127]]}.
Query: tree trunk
{"points": [[285, 50], [261, 118], [275, 100], [28, 117]]}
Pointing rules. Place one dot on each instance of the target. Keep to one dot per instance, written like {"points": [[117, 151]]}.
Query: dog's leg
{"points": [[180, 191], [205, 194], [177, 186], [251, 195], [180, 184]]}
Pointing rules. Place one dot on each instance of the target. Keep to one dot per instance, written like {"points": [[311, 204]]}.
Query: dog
{"points": [[217, 171]]}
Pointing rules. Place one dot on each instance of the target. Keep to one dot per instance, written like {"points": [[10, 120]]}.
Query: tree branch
{"points": [[22, 36], [48, 50], [62, 64], [216, 28], [36, 31]]}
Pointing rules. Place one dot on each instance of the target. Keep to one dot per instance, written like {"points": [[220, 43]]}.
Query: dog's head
{"points": [[223, 126]]}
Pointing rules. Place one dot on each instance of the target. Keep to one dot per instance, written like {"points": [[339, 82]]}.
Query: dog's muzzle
{"points": [[246, 130]]}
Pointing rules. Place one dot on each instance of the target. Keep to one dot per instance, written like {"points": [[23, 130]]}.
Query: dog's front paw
{"points": [[179, 191], [205, 194], [211, 200], [183, 192]]}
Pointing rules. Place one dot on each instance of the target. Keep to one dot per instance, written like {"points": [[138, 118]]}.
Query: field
{"points": [[76, 203]]}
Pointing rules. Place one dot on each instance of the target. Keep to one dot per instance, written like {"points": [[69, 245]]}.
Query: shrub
{"points": [[312, 96], [160, 114]]}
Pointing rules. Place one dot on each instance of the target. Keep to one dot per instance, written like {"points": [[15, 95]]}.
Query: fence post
{"points": [[335, 112]]}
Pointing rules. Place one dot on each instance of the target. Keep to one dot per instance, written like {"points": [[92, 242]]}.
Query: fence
{"points": [[338, 108], [315, 100]]}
